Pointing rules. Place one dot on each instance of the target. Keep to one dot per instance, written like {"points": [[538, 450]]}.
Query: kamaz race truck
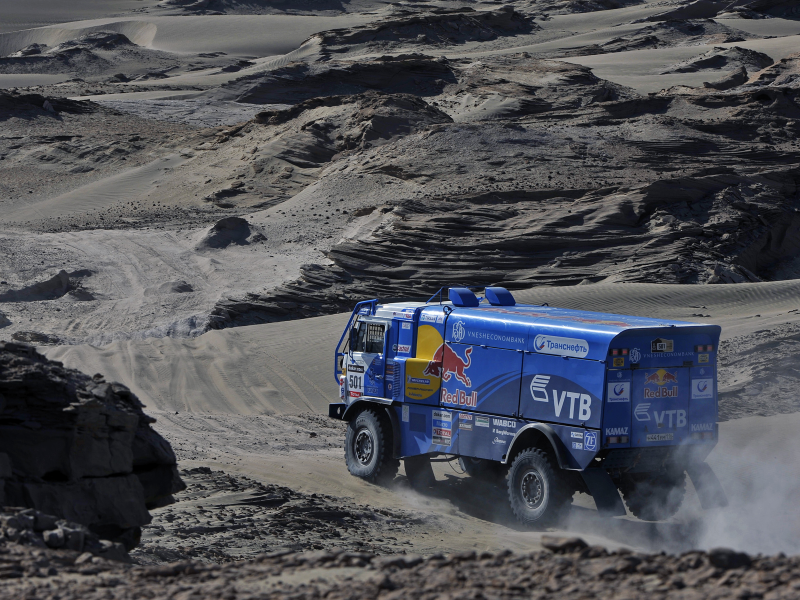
{"points": [[554, 400]]}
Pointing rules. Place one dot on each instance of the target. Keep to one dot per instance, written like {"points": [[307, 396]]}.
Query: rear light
{"points": [[704, 435], [618, 352], [704, 348], [617, 439]]}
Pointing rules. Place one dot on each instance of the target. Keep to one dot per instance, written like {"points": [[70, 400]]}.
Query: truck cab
{"points": [[553, 400]]}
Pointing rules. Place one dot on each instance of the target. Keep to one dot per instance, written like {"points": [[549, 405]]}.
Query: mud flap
{"points": [[708, 487], [604, 492]]}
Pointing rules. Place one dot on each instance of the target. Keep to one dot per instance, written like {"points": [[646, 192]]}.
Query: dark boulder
{"points": [[79, 448]]}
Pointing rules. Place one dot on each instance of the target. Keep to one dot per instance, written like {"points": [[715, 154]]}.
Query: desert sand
{"points": [[193, 195]]}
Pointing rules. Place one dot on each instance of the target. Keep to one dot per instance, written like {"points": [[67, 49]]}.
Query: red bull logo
{"points": [[453, 365], [661, 378], [446, 363]]}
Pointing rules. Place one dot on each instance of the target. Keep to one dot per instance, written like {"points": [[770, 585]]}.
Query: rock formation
{"points": [[79, 448]]}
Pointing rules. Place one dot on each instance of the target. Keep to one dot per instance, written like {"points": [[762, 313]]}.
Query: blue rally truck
{"points": [[554, 400]]}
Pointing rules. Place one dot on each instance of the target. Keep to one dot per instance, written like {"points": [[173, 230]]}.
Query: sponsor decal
{"points": [[440, 318], [662, 345], [661, 378], [497, 337], [702, 358], [455, 365], [465, 421], [670, 418], [619, 362], [619, 391], [427, 318], [497, 440], [616, 431], [354, 368], [577, 445], [702, 389], [419, 380], [355, 394], [561, 346], [660, 437], [503, 432], [481, 421], [443, 415], [406, 325], [590, 440], [406, 413], [504, 423], [636, 356], [539, 387], [403, 348], [702, 427], [390, 368], [442, 427], [580, 404], [460, 398], [459, 331], [619, 374], [577, 434]]}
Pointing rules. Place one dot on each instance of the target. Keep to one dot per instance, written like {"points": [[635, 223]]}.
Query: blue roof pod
{"points": [[499, 296], [462, 297]]}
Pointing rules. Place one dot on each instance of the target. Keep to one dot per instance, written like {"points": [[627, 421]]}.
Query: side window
{"points": [[369, 338]]}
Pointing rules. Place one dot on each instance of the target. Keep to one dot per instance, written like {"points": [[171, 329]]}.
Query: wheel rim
{"points": [[364, 446], [532, 488]]}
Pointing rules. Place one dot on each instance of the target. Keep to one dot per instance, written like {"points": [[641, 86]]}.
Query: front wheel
{"points": [[368, 450], [536, 491]]}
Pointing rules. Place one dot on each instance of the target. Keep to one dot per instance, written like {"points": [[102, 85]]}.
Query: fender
{"points": [[555, 443], [377, 403]]}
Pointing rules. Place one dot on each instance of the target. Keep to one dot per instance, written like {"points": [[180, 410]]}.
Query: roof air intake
{"points": [[498, 296], [462, 297]]}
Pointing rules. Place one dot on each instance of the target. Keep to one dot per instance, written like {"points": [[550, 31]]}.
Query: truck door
{"points": [[366, 362]]}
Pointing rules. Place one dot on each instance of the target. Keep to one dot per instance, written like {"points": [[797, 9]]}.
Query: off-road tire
{"points": [[419, 472], [368, 448], [482, 469], [653, 496], [537, 492]]}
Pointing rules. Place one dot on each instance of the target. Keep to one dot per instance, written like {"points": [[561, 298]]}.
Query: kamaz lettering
{"points": [[702, 427], [503, 387], [616, 431]]}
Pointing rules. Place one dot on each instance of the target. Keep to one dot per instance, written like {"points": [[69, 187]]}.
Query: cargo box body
{"points": [[468, 380]]}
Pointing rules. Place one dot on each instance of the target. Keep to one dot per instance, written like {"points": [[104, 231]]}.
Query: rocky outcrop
{"points": [[79, 448], [565, 568], [31, 527]]}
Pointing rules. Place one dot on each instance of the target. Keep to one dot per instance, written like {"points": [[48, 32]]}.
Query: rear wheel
{"points": [[368, 448], [419, 471], [537, 492], [653, 496]]}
